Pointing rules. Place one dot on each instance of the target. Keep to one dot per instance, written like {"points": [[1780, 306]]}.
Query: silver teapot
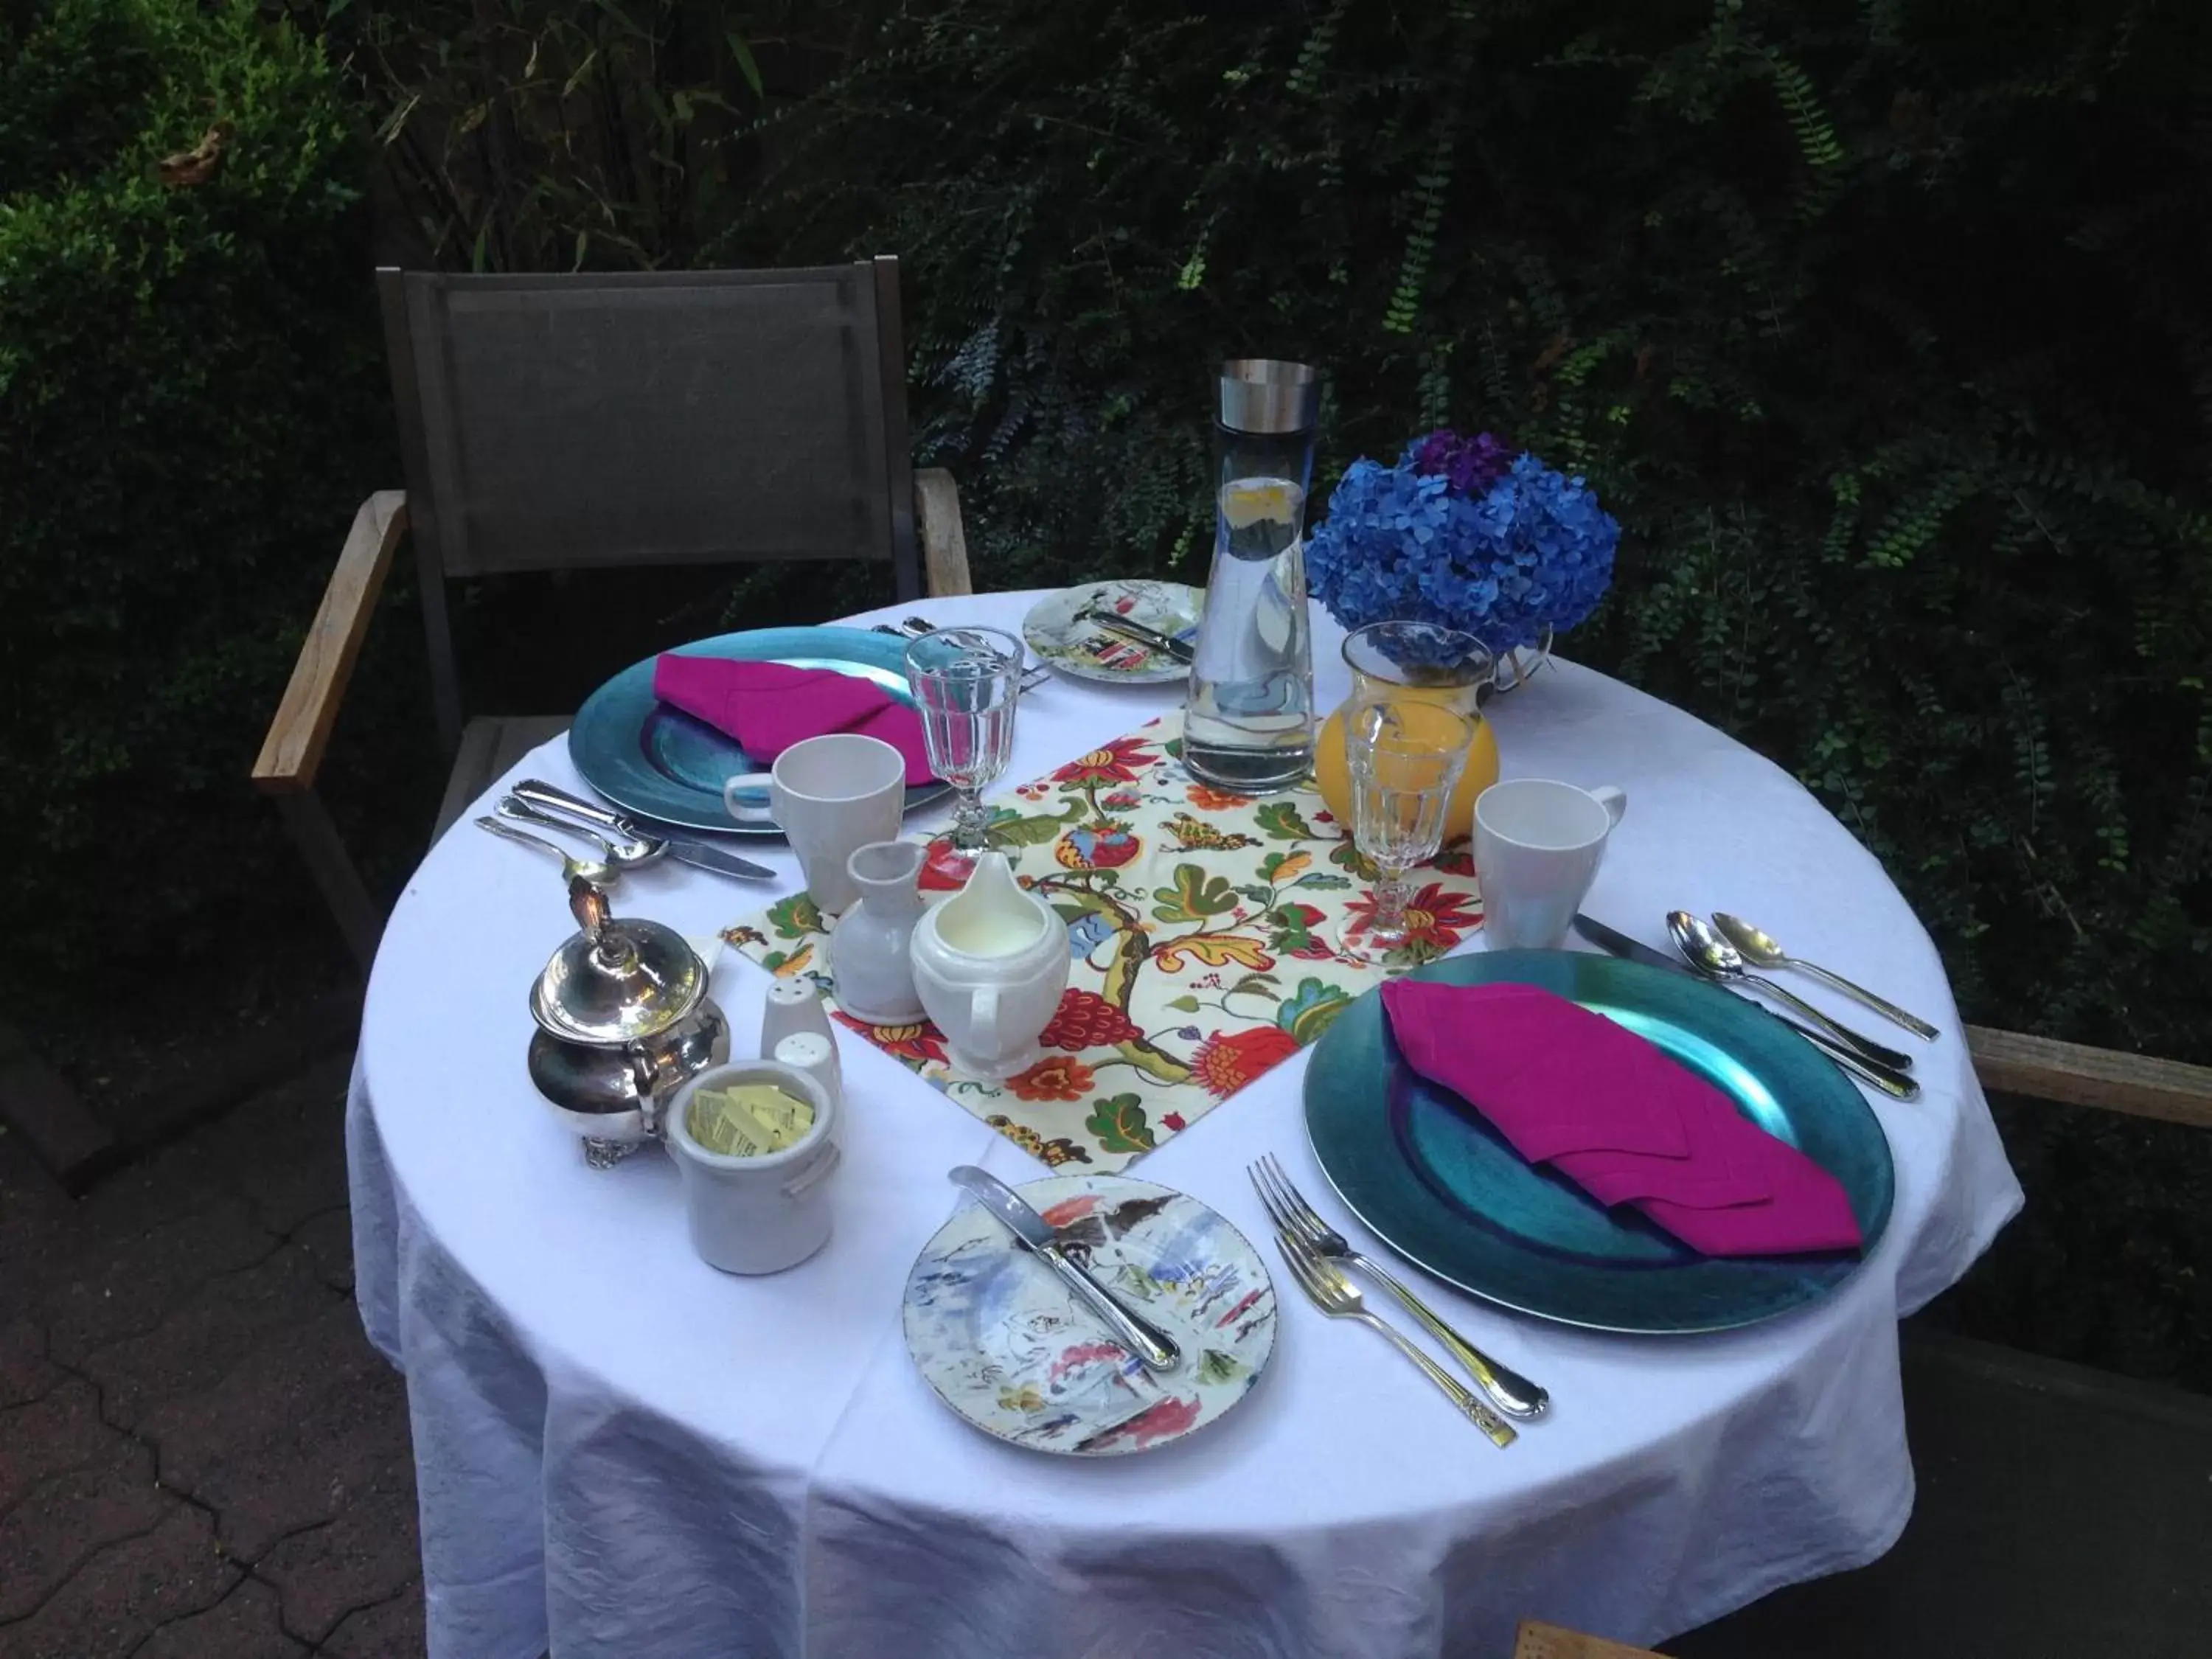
{"points": [[623, 1020]]}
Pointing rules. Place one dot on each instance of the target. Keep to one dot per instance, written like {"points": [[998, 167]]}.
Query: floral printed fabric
{"points": [[1214, 935]]}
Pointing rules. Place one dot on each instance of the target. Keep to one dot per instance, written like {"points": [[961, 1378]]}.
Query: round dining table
{"points": [[623, 1454]]}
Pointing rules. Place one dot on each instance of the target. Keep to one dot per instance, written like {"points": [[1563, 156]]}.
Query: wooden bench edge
{"points": [[2075, 1074]]}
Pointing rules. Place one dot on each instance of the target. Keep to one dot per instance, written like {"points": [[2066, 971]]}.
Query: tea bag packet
{"points": [[749, 1119]]}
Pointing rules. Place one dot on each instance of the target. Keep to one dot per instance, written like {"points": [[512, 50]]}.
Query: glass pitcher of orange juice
{"points": [[1418, 662]]}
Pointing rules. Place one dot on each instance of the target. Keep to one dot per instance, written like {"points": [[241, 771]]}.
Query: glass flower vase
{"points": [[1517, 666], [1418, 662]]}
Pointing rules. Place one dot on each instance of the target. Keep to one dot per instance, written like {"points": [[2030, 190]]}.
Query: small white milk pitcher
{"points": [[869, 954], [990, 963]]}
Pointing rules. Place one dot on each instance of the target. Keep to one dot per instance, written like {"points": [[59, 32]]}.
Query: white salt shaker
{"points": [[794, 1005], [816, 1054]]}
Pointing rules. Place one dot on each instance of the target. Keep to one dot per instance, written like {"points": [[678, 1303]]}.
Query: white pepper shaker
{"points": [[816, 1054], [794, 1005]]}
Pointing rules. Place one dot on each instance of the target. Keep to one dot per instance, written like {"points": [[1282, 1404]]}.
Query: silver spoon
{"points": [[1760, 950], [576, 869], [622, 855], [1709, 953]]}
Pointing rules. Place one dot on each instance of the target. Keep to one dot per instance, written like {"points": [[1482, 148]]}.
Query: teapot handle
{"points": [[983, 1020]]}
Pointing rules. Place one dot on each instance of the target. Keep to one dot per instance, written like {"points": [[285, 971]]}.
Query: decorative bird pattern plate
{"points": [[1059, 632]]}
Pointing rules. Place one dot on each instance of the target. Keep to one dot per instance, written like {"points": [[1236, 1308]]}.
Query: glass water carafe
{"points": [[1248, 725]]}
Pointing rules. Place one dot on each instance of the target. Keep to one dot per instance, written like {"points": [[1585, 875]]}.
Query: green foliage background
{"points": [[186, 420]]}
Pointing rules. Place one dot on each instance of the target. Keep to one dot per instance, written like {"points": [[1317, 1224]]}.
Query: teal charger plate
{"points": [[652, 759], [1423, 1170]]}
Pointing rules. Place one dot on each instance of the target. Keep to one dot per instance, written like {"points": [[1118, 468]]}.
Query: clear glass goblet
{"points": [[966, 683], [1405, 757]]}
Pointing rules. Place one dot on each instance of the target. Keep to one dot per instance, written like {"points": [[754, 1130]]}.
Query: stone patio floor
{"points": [[201, 1457]]}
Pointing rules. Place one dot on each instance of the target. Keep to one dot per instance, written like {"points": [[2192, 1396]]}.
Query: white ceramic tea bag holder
{"points": [[990, 965], [756, 1215]]}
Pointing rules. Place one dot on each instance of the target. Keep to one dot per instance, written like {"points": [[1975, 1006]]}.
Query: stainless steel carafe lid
{"points": [[1268, 396]]}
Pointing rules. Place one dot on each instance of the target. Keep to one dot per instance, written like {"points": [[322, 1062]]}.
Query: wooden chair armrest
{"points": [[943, 543], [2014, 1063], [294, 748], [1537, 1640]]}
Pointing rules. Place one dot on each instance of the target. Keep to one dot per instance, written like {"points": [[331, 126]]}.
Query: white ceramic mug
{"points": [[756, 1215], [829, 795], [1537, 846]]}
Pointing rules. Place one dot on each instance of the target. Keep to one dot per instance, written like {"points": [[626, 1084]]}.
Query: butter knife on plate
{"points": [[703, 855], [1151, 638], [1035, 1234], [1614, 942]]}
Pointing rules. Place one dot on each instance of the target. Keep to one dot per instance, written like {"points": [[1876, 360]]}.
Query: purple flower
{"points": [[1470, 465]]}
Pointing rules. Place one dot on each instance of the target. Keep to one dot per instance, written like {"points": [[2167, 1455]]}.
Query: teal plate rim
{"points": [[1423, 1172], [655, 761]]}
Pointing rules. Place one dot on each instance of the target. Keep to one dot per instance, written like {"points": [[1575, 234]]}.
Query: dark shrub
{"points": [[188, 411]]}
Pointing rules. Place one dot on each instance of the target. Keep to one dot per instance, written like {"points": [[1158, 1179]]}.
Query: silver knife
{"points": [[1611, 941], [1151, 638], [1034, 1233], [682, 848]]}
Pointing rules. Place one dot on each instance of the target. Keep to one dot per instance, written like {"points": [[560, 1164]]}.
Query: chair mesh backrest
{"points": [[553, 422]]}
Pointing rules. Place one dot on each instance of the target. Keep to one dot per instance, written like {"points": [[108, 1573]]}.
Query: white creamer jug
{"points": [[990, 963]]}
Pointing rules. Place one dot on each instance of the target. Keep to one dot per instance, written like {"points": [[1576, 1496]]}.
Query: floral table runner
{"points": [[1214, 935]]}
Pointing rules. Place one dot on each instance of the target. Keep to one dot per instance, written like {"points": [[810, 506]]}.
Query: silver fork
{"points": [[1517, 1396], [1335, 1295]]}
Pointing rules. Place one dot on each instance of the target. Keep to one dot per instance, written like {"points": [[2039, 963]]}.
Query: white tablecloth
{"points": [[624, 1455]]}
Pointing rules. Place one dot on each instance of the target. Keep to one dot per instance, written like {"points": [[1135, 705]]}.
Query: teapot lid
{"points": [[616, 982]]}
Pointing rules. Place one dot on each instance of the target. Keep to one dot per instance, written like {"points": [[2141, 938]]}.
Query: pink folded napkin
{"points": [[1620, 1120], [769, 706]]}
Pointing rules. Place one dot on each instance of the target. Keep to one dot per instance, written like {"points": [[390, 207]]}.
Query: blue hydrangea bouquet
{"points": [[1464, 534]]}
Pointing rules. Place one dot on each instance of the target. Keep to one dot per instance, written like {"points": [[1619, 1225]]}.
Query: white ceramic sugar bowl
{"points": [[756, 1215], [990, 963]]}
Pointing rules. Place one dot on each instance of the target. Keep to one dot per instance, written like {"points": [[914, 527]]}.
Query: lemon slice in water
{"points": [[1249, 501]]}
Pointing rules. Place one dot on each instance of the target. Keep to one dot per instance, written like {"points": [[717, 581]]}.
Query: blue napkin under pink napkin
{"points": [[1618, 1118], [769, 706]]}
